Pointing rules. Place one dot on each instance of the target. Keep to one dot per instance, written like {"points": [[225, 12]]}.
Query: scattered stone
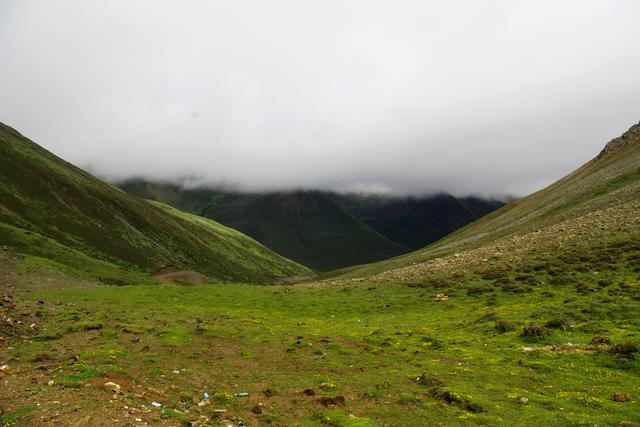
{"points": [[50, 382], [524, 400], [156, 404], [621, 397], [113, 387], [440, 297], [327, 386]]}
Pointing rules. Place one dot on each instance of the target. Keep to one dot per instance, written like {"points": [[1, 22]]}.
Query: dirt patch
{"points": [[169, 276]]}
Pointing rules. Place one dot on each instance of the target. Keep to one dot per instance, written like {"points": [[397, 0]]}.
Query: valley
{"points": [[527, 316]]}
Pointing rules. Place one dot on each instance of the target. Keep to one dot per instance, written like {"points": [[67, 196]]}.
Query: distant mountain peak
{"points": [[617, 144]]}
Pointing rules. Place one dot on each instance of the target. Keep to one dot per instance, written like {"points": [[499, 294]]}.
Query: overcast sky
{"points": [[409, 97]]}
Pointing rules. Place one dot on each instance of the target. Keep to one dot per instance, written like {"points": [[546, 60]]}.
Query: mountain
{"points": [[306, 226], [56, 212], [587, 215], [415, 222], [324, 230]]}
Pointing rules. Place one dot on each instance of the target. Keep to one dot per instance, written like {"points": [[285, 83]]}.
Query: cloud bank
{"points": [[406, 97]]}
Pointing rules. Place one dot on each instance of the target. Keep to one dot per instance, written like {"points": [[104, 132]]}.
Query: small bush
{"points": [[560, 323], [479, 290], [493, 274], [626, 350], [503, 326], [535, 331]]}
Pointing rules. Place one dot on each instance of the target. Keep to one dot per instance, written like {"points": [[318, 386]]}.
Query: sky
{"points": [[401, 97]]}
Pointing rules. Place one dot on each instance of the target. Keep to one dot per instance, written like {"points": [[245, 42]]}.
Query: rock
{"points": [[113, 387], [440, 297], [309, 392], [156, 404], [621, 397]]}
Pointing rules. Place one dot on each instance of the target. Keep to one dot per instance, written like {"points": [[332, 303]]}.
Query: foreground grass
{"points": [[396, 355]]}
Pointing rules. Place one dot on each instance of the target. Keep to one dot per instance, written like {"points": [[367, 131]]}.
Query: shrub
{"points": [[503, 326], [626, 349], [560, 323], [479, 290], [535, 331]]}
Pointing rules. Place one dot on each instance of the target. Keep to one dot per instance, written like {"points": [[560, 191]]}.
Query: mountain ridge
{"points": [[44, 198], [322, 229]]}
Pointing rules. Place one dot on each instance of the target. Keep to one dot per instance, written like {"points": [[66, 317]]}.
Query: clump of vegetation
{"points": [[494, 274], [625, 349], [535, 331], [479, 290], [563, 323], [503, 326]]}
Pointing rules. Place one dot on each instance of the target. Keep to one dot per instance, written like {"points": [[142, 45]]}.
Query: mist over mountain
{"points": [[409, 99], [324, 230]]}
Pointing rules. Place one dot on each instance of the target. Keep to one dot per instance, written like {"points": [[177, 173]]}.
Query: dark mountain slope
{"points": [[55, 210], [324, 230], [306, 226], [416, 222]]}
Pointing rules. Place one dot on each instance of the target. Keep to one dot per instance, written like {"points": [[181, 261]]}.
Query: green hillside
{"points": [[324, 230], [306, 226], [52, 210], [593, 204]]}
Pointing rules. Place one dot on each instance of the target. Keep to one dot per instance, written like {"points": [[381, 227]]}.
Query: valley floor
{"points": [[356, 354]]}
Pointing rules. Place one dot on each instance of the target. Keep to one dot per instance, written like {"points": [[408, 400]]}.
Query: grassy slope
{"points": [[325, 230], [307, 226], [51, 209], [605, 181]]}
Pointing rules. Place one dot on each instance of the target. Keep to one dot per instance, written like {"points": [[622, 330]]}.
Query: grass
{"points": [[396, 355]]}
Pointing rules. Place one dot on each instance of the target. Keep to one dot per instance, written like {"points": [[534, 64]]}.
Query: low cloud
{"points": [[407, 97]]}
